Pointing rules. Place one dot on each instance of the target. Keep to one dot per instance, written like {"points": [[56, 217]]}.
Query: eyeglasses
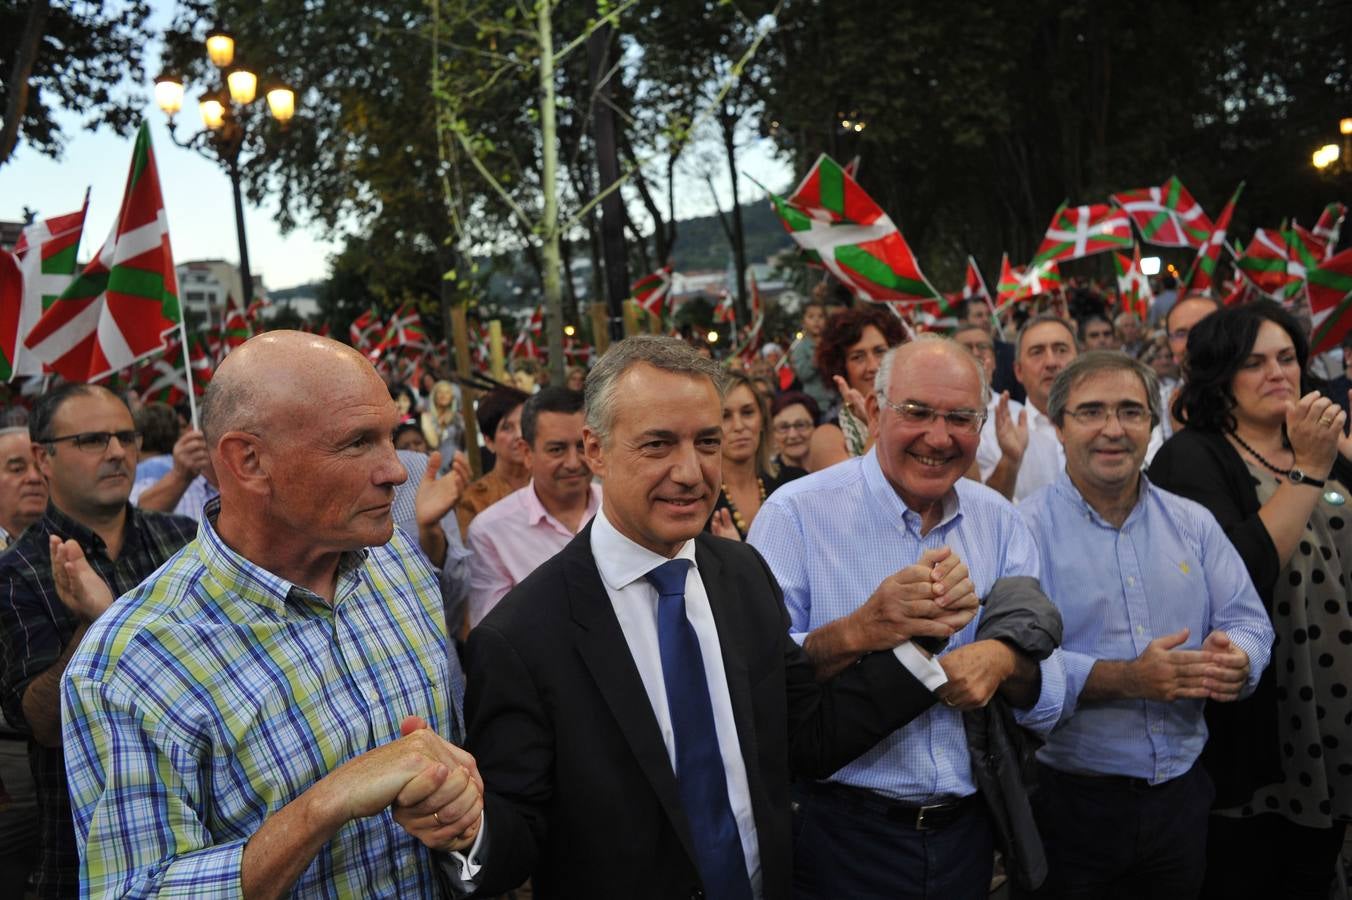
{"points": [[97, 441], [1096, 414], [786, 427], [964, 421]]}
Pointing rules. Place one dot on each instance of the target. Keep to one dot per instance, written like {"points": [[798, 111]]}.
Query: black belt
{"points": [[929, 817], [1117, 781]]}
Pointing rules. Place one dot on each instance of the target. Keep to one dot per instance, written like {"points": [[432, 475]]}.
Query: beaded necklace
{"points": [[732, 507]]}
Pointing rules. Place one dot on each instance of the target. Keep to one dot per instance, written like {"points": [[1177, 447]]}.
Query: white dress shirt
{"points": [[622, 565]]}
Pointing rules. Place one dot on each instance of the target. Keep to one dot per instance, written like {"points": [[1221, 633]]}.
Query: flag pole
{"points": [[187, 369]]}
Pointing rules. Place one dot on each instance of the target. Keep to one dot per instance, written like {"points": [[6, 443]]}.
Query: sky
{"points": [[200, 206]]}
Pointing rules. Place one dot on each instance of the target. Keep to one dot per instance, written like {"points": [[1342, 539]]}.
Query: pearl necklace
{"points": [[732, 507]]}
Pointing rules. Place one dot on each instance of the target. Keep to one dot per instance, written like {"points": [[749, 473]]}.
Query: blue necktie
{"points": [[699, 765]]}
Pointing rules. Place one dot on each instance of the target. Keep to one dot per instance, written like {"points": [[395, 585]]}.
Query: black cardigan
{"points": [[1242, 752]]}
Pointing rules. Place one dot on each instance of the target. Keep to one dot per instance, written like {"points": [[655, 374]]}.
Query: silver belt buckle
{"points": [[920, 816]]}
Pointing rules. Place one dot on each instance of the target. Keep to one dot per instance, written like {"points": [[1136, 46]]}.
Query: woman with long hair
{"points": [[1266, 454]]}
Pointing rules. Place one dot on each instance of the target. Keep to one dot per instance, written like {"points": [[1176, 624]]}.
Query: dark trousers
{"points": [[1269, 857], [849, 844], [1120, 837]]}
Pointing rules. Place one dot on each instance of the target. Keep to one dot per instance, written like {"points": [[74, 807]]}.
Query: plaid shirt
{"points": [[36, 626], [214, 695]]}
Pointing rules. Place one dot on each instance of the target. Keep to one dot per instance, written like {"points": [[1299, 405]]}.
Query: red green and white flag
{"points": [[46, 255], [1166, 215], [1081, 231], [120, 307], [1330, 290], [725, 310], [365, 331], [652, 291], [11, 305], [1203, 269], [405, 331], [1008, 285], [973, 285], [1266, 263], [161, 378], [1133, 285], [1326, 231], [751, 338], [236, 330], [479, 354], [937, 315], [527, 344], [839, 226]]}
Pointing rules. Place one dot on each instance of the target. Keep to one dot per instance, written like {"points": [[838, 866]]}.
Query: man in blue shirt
{"points": [[1160, 617], [904, 820]]}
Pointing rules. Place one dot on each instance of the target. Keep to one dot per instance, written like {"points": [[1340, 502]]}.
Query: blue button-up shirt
{"points": [[1168, 567], [832, 537]]}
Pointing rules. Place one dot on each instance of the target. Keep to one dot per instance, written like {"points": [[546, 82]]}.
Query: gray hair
{"points": [[882, 382], [1043, 320], [229, 404], [665, 353], [1093, 363]]}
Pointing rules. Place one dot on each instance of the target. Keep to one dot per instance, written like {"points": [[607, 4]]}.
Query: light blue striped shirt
{"points": [[1168, 567], [832, 537]]}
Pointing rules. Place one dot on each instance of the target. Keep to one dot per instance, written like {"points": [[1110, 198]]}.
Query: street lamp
{"points": [[227, 116], [1333, 159]]}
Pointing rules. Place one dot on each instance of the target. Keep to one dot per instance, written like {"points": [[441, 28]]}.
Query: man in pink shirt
{"points": [[525, 528]]}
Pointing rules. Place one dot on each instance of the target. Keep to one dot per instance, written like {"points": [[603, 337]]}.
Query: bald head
{"points": [[928, 350], [272, 381]]}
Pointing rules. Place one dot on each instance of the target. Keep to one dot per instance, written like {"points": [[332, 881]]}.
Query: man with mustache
{"points": [[1163, 620], [512, 537], [86, 447]]}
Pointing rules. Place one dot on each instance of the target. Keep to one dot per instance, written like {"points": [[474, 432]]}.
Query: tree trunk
{"points": [[608, 168], [728, 120], [25, 58], [550, 262]]}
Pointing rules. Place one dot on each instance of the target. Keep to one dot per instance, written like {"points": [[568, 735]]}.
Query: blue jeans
{"points": [[843, 848]]}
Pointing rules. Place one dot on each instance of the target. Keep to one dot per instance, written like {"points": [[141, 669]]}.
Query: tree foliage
{"points": [[980, 120], [68, 57]]}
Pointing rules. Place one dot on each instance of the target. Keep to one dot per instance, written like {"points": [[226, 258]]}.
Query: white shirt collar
{"points": [[620, 560]]}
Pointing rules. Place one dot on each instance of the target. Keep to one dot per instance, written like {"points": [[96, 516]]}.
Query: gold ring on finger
{"points": [[438, 818]]}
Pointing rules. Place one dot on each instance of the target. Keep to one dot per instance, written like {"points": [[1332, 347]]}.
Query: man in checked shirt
{"points": [[273, 711]]}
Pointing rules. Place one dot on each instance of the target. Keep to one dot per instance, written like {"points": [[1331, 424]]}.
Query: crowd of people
{"points": [[1062, 600]]}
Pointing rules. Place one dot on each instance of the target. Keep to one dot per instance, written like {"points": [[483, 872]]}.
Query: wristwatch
{"points": [[1296, 476]]}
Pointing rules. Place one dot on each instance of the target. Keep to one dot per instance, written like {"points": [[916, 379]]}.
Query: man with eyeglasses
{"points": [[906, 819], [1163, 620], [86, 447]]}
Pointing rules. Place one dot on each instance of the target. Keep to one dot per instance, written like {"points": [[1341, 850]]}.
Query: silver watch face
{"points": [[1296, 476]]}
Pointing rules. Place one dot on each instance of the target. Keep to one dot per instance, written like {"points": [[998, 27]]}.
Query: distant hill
{"points": [[701, 243]]}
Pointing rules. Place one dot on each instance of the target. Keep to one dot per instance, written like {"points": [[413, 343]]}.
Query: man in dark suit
{"points": [[636, 706]]}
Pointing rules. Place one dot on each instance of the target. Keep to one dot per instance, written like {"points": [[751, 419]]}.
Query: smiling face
{"points": [[1268, 378], [1044, 350], [1105, 458], [84, 484], [557, 462], [741, 424], [923, 462], [863, 358], [662, 462], [793, 433]]}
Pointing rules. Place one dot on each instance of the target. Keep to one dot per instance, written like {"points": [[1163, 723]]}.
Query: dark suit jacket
{"points": [[580, 791]]}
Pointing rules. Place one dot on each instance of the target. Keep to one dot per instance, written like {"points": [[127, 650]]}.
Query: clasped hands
{"points": [[432, 786], [1218, 671]]}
